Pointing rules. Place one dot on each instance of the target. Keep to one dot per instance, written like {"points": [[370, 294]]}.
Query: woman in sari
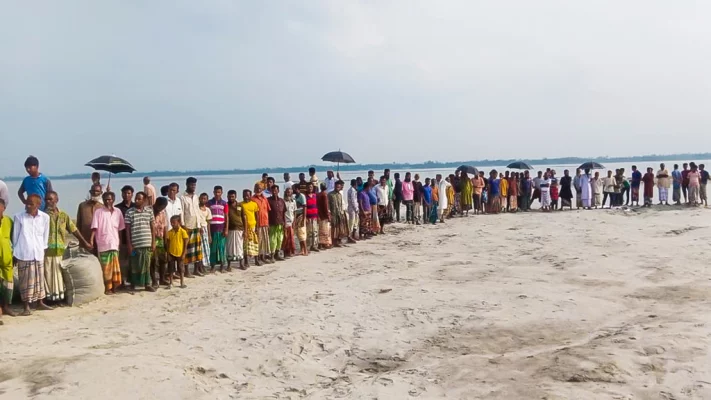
{"points": [[467, 193], [450, 197], [6, 278]]}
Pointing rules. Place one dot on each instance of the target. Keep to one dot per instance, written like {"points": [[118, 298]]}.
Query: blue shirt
{"points": [[676, 175], [427, 193], [39, 186], [636, 178], [494, 187], [373, 196]]}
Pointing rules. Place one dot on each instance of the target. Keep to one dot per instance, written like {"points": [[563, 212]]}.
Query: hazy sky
{"points": [[242, 84]]}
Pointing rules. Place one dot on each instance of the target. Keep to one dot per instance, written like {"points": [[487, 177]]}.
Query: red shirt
{"points": [[264, 208]]}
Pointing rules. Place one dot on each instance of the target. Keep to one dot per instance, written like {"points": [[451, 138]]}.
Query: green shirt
{"points": [[59, 226]]}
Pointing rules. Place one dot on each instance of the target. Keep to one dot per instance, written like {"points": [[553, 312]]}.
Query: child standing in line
{"points": [[177, 245], [35, 183]]}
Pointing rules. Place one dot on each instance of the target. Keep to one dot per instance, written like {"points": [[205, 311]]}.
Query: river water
{"points": [[74, 191]]}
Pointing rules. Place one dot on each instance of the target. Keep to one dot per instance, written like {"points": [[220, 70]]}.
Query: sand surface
{"points": [[576, 305]]}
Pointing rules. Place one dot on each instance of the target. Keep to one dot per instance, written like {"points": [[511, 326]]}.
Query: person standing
{"points": [[408, 196], [526, 191], [544, 185], [663, 184], [596, 187], [619, 186], [625, 194], [339, 219], [277, 219], [312, 219], [141, 242], [59, 226], [289, 247], [4, 194], [177, 244], [578, 185], [443, 205], [676, 180], [585, 190], [86, 210], [30, 236], [635, 184], [235, 233], [34, 183], [204, 219], [694, 178], [648, 180], [477, 189], [608, 188], [704, 181], [566, 194], [494, 194], [467, 193], [262, 184], [175, 204], [150, 192], [159, 261], [504, 190], [191, 223], [685, 182], [397, 197], [513, 192], [426, 201], [105, 227], [250, 215], [287, 183], [265, 253], [417, 200], [365, 210], [324, 218], [300, 220], [390, 214], [382, 192], [330, 181], [537, 187], [219, 229], [373, 196], [353, 211], [124, 255], [7, 283]]}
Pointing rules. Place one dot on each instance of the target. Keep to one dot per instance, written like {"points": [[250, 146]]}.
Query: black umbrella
{"points": [[111, 164], [338, 157], [591, 165], [519, 165], [468, 169]]}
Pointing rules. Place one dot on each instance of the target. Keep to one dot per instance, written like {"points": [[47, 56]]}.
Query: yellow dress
{"points": [[6, 283]]}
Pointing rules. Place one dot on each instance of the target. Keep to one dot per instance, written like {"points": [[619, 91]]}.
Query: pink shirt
{"points": [[150, 191], [694, 178], [107, 225], [408, 191]]}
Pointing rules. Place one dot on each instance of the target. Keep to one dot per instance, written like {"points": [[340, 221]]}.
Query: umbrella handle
{"points": [[108, 185]]}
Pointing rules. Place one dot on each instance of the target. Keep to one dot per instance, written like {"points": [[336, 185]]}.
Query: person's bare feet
{"points": [[26, 312], [8, 311], [42, 306], [150, 288], [228, 269]]}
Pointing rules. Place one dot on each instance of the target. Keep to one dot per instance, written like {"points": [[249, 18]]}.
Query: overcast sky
{"points": [[243, 84]]}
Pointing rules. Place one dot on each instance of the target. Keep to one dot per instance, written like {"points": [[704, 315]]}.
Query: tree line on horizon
{"points": [[403, 166]]}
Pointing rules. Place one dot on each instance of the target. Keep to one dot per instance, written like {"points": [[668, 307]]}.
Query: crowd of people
{"points": [[148, 238]]}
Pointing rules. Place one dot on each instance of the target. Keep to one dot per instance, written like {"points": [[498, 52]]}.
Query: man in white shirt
{"points": [[175, 204], [191, 223], [29, 237], [287, 182], [330, 181], [443, 202]]}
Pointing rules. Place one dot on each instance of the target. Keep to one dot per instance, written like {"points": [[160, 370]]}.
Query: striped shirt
{"points": [[311, 207], [219, 210], [140, 226]]}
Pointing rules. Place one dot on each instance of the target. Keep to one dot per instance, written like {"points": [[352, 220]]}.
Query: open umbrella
{"points": [[338, 157], [468, 169], [591, 165], [519, 165], [111, 164]]}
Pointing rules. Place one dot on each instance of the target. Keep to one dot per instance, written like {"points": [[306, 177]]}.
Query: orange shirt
{"points": [[264, 208], [435, 193]]}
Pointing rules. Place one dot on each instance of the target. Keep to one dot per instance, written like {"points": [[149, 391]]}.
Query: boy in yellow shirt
{"points": [[250, 215], [177, 244]]}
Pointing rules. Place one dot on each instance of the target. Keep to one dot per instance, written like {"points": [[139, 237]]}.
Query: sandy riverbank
{"points": [[579, 305]]}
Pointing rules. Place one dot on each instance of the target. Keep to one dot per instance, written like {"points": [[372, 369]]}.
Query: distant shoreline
{"points": [[398, 166]]}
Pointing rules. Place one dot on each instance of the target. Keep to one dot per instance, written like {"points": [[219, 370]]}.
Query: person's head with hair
{"points": [[173, 189], [323, 187], [217, 192], [265, 177], [397, 175], [127, 194], [95, 177], [33, 203], [354, 183], [386, 173], [32, 166], [51, 199], [159, 205], [190, 185], [108, 198], [175, 222], [287, 177], [95, 192], [140, 200], [274, 190], [288, 194], [164, 190], [338, 186], [231, 196], [247, 195], [203, 199], [146, 180], [312, 171], [270, 182], [302, 177]]}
